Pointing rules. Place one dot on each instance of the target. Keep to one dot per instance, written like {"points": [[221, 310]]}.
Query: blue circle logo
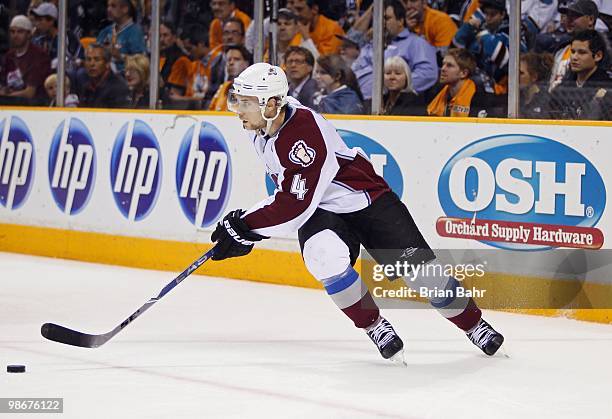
{"points": [[16, 162], [72, 166], [203, 174], [136, 170]]}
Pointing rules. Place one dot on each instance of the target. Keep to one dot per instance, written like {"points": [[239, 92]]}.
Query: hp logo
{"points": [[16, 162], [136, 170], [203, 174], [72, 166]]}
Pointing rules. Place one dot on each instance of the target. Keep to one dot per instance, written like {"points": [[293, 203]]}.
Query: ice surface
{"points": [[219, 348]]}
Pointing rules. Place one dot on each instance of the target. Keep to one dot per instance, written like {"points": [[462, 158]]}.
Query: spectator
{"points": [[25, 67], [101, 88], [233, 34], [238, 58], [174, 64], [399, 97], [70, 99], [418, 54], [335, 78], [459, 96], [468, 9], [437, 27], [288, 35], [349, 49], [537, 15], [223, 10], [123, 37], [534, 72], [312, 24], [486, 36], [300, 63], [45, 36], [137, 78], [198, 83], [558, 36], [196, 43], [585, 94], [580, 15]]}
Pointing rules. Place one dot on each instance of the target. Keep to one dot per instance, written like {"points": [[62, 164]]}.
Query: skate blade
{"points": [[399, 359]]}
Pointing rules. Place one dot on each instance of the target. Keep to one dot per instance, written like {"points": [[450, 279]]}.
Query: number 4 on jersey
{"points": [[298, 187]]}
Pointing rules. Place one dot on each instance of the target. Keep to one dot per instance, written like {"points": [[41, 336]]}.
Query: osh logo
{"points": [[16, 162], [72, 166], [384, 163], [136, 170], [521, 192], [203, 174]]}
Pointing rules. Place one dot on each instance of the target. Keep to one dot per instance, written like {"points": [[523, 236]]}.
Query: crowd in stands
{"points": [[443, 58]]}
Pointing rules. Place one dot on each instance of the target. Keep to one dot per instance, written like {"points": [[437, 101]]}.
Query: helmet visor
{"points": [[242, 104]]}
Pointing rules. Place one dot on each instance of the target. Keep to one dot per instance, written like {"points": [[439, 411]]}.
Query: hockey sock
{"points": [[462, 311], [351, 296]]}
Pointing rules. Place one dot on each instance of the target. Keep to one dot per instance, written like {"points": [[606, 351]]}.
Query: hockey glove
{"points": [[233, 237]]}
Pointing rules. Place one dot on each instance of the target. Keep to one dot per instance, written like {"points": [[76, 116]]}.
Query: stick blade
{"points": [[62, 334]]}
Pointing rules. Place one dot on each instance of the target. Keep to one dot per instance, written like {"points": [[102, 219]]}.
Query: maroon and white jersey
{"points": [[312, 168]]}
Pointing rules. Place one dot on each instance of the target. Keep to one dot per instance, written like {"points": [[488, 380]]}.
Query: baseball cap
{"points": [[580, 7], [21, 22], [287, 14], [46, 9]]}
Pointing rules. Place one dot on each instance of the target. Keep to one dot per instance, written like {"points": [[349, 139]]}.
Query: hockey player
{"points": [[331, 195]]}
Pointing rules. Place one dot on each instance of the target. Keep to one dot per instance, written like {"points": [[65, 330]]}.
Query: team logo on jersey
{"points": [[302, 154], [203, 174], [16, 162], [383, 162], [521, 192], [135, 170], [72, 166]]}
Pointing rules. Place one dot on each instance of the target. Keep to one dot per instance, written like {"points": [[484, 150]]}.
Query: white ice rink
{"points": [[218, 348]]}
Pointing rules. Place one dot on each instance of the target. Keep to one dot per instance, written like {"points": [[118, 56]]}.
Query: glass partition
{"points": [[440, 58]]}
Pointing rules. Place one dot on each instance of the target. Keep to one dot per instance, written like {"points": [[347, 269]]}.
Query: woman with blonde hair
{"points": [[137, 78], [399, 96]]}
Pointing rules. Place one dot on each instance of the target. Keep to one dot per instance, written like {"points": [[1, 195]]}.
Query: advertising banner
{"points": [[515, 186]]}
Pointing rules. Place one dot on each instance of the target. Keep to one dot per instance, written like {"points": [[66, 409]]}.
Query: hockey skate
{"points": [[485, 337], [387, 341]]}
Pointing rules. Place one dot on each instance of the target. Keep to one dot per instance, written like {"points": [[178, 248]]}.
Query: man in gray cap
{"points": [[580, 15], [24, 68], [45, 36]]}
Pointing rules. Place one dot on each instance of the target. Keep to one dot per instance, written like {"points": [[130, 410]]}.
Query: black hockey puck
{"points": [[15, 368]]}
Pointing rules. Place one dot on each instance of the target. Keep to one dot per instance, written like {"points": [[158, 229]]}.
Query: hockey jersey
{"points": [[312, 168]]}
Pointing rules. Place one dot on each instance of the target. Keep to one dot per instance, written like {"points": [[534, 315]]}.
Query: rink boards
{"points": [[146, 190]]}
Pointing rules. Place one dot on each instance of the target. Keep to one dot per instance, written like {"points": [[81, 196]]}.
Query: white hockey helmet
{"points": [[263, 81]]}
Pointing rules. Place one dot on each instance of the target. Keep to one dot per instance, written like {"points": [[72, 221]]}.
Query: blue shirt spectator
{"points": [[339, 87], [343, 100], [416, 51], [123, 36]]}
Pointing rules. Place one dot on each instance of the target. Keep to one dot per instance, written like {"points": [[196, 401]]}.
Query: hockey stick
{"points": [[62, 334]]}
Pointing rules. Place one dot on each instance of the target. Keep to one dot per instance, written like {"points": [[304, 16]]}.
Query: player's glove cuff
{"points": [[233, 237]]}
